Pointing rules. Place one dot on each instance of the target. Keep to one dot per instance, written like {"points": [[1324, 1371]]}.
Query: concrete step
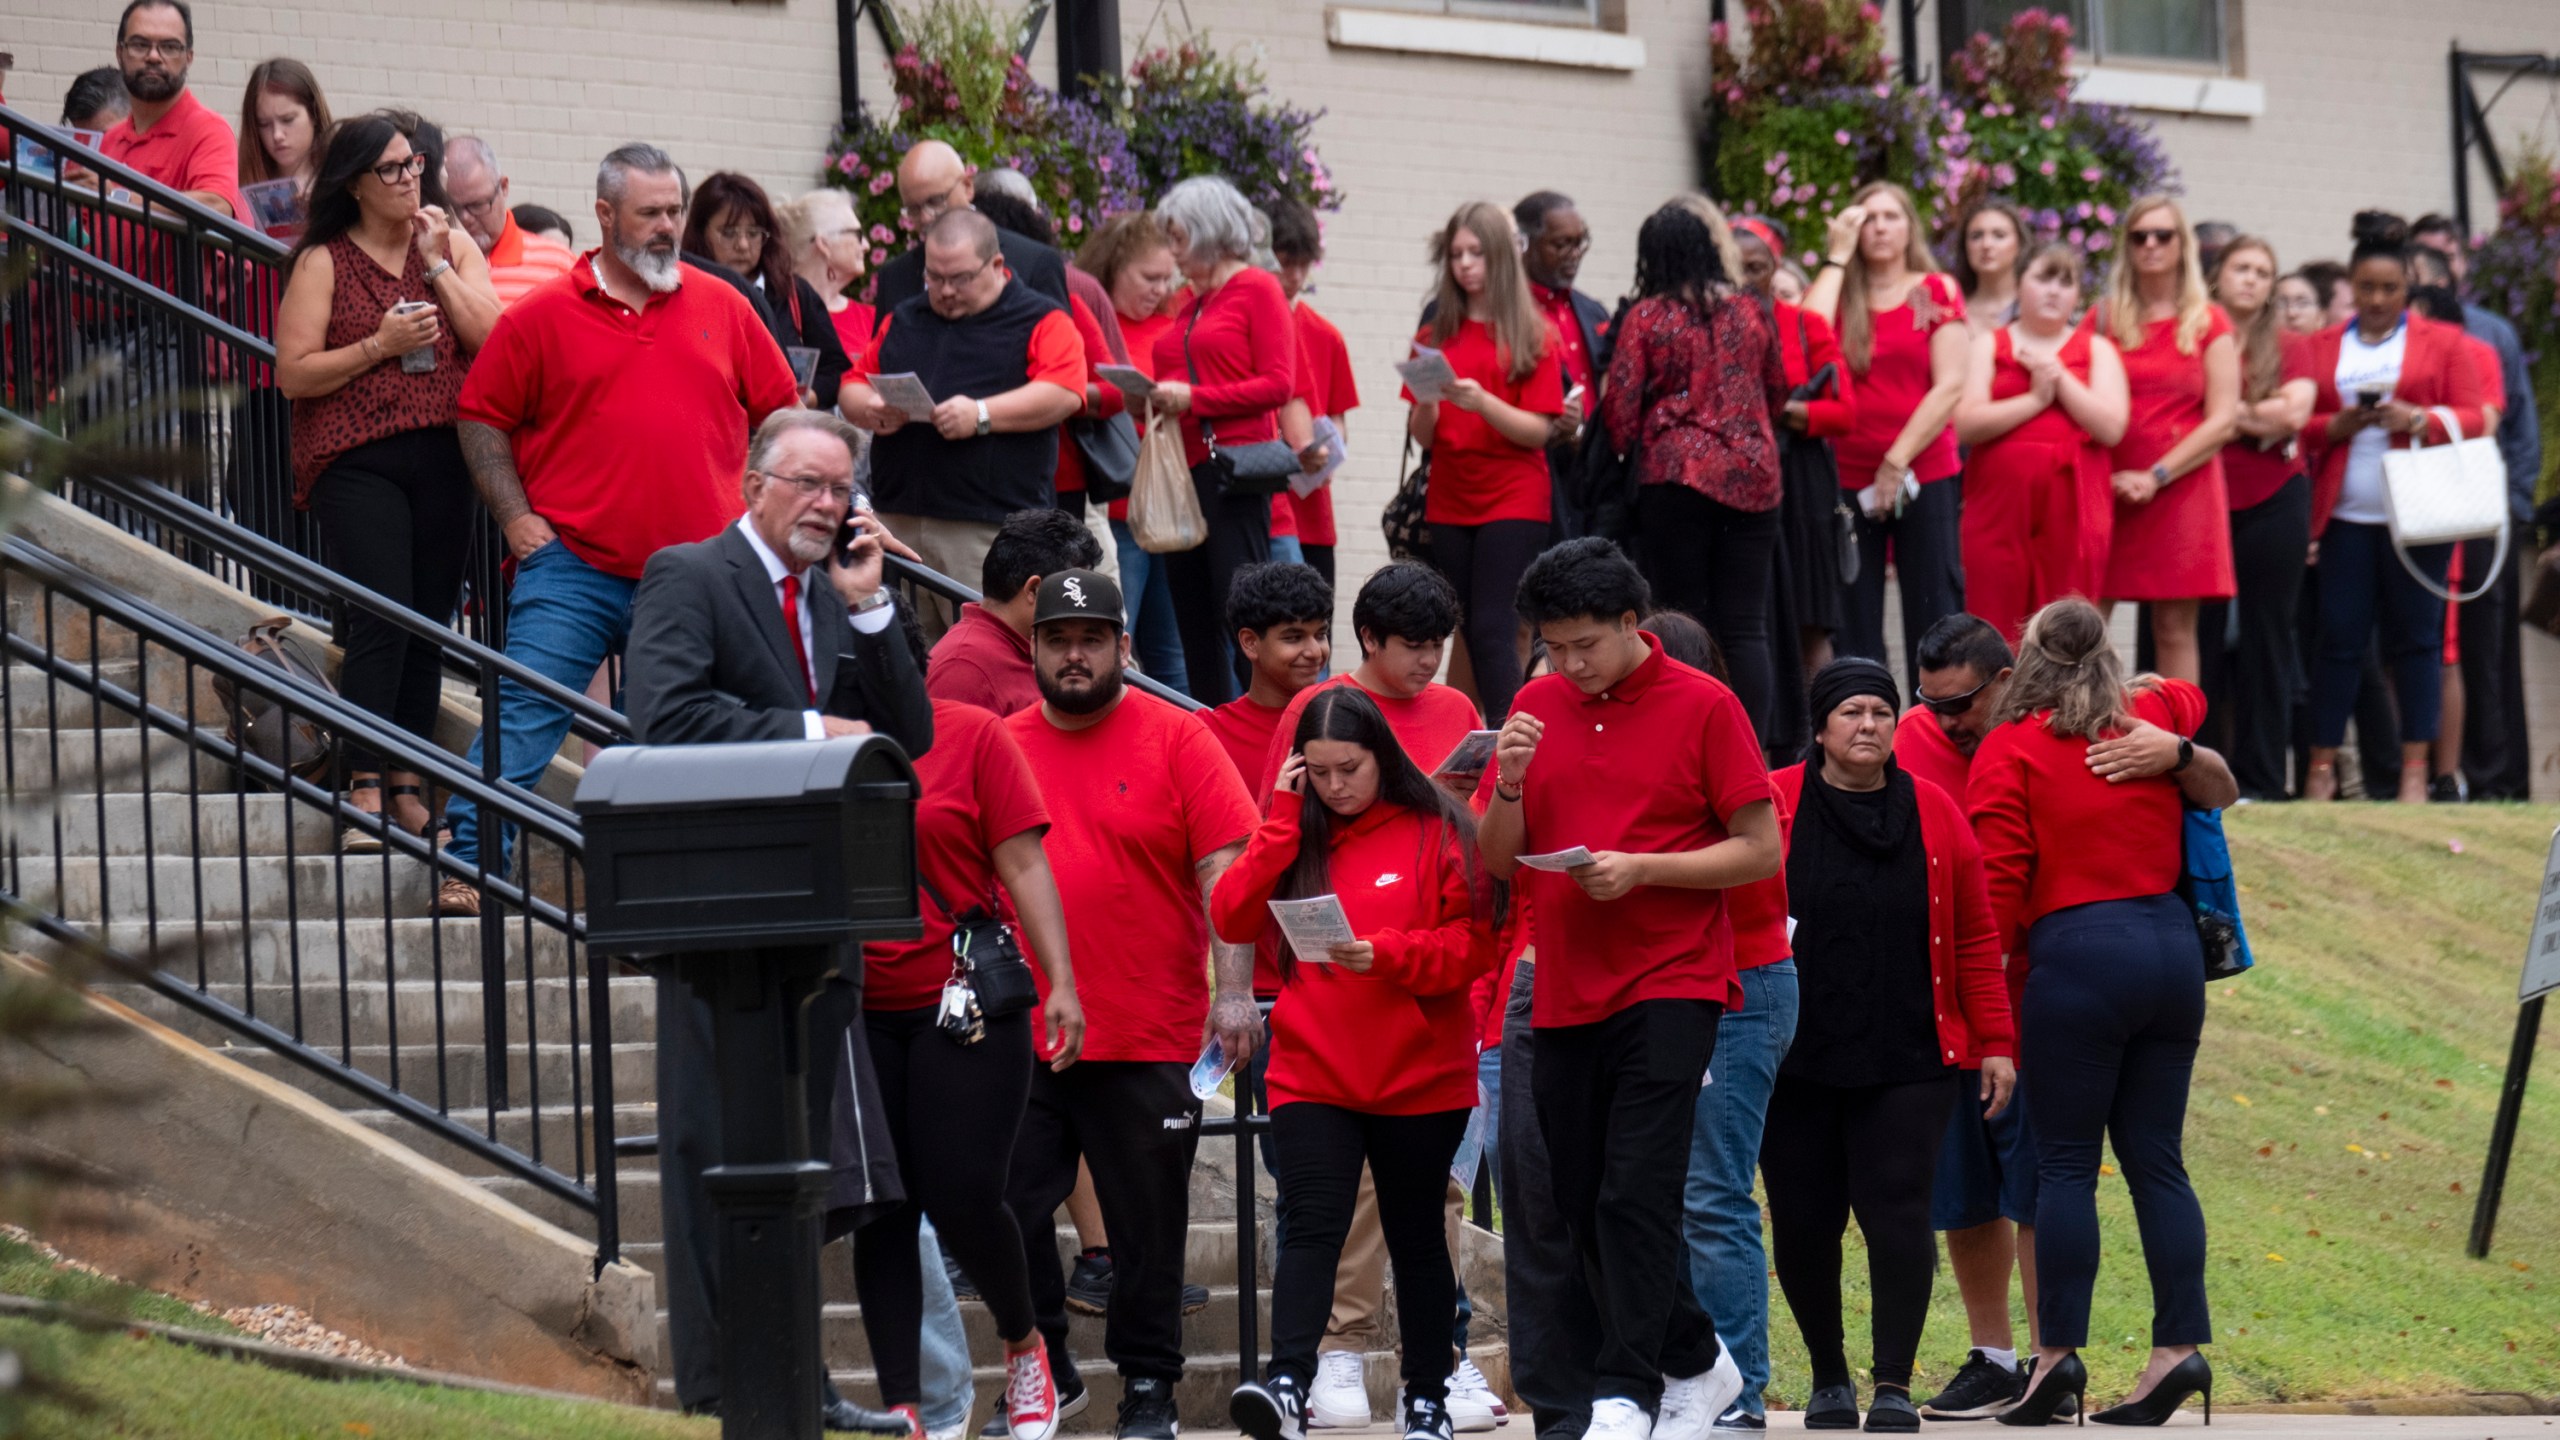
{"points": [[418, 1007], [559, 1133], [86, 761], [178, 889], [36, 698], [414, 948], [63, 626], [464, 1082], [170, 823]]}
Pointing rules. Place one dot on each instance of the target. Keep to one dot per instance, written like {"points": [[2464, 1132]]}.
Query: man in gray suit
{"points": [[765, 631]]}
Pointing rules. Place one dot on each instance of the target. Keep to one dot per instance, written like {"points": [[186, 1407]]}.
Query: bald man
{"points": [[932, 181]]}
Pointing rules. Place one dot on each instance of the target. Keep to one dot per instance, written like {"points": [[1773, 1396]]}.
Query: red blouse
{"points": [[386, 399], [1243, 362], [1692, 398], [1897, 377]]}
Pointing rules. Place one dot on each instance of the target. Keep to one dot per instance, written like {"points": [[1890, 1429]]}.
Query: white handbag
{"points": [[2437, 494]]}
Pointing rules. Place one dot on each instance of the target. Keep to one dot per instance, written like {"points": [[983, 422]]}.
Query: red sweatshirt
{"points": [[1400, 1039], [2054, 834]]}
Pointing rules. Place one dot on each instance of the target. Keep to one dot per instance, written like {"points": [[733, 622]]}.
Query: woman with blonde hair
{"points": [[822, 238], [2172, 545], [1491, 501], [1902, 330], [2079, 799]]}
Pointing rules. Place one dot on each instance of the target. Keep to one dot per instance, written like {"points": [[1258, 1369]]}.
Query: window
{"points": [[1547, 12], [2136, 32]]}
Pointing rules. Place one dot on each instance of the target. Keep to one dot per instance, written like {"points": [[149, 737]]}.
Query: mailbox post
{"points": [[751, 873]]}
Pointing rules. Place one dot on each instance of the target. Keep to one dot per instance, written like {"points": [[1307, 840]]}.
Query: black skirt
{"points": [[1809, 502]]}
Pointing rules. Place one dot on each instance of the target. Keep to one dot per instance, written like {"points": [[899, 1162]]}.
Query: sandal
{"points": [[418, 793], [457, 896], [354, 839]]}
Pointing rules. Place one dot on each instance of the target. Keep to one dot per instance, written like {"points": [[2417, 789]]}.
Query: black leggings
{"points": [[1319, 1150], [397, 513], [1484, 564], [952, 1112], [2251, 684], [1706, 558], [1239, 535], [1928, 561], [1873, 1149]]}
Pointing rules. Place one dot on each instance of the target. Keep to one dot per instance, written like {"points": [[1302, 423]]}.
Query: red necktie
{"points": [[791, 624]]}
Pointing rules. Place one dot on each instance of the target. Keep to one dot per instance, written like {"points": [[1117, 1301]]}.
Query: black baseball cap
{"points": [[1078, 595]]}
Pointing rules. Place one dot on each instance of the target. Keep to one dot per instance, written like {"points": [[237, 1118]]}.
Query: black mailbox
{"points": [[789, 842]]}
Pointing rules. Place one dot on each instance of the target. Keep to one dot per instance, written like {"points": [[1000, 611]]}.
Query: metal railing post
{"points": [[493, 927]]}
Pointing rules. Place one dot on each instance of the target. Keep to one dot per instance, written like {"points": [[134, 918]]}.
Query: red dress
{"points": [[2038, 509], [2177, 547], [1897, 378]]}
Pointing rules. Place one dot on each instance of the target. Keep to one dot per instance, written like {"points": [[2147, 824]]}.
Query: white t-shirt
{"points": [[2367, 367]]}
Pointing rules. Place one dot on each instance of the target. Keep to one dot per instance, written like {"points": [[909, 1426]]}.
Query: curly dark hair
{"points": [[1586, 579], [1407, 600], [1677, 258], [1275, 594]]}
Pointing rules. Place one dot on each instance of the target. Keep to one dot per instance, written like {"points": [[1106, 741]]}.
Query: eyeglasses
{"points": [[143, 48], [2151, 237], [925, 212], [808, 485], [472, 209], [392, 172], [959, 281], [743, 234], [1949, 705], [1574, 246], [2296, 304]]}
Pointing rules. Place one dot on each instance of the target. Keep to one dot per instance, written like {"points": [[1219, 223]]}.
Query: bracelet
{"points": [[1828, 263], [439, 268], [373, 349], [1512, 796]]}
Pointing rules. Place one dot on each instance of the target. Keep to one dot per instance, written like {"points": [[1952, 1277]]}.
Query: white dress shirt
{"points": [[868, 622]]}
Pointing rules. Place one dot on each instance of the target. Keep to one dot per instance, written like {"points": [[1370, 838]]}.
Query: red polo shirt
{"points": [[628, 445], [519, 263], [1657, 765], [981, 661], [1921, 746], [190, 149]]}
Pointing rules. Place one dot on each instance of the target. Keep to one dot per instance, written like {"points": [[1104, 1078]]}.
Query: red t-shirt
{"points": [[191, 148], [974, 792], [853, 327], [626, 445], [1140, 336], [1477, 476], [1325, 383], [2251, 476], [1921, 746], [1891, 387], [1428, 726], [1243, 727], [982, 661], [1138, 800], [1243, 362], [1056, 353], [1658, 765]]}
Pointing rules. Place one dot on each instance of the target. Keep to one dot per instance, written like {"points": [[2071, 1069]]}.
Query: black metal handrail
{"points": [[173, 667]]}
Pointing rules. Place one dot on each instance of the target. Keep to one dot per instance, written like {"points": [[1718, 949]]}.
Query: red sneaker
{"points": [[1030, 1397]]}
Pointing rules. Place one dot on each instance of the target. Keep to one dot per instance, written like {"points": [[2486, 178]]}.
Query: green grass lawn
{"points": [[2341, 1113]]}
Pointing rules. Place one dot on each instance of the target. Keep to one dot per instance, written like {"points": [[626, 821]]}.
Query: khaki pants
{"points": [[1360, 1280], [957, 548]]}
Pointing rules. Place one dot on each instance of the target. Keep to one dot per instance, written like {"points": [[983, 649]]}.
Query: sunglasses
{"points": [[1949, 705], [2152, 237]]}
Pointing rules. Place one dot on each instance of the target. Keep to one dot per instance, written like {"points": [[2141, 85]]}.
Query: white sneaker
{"points": [[1690, 1404], [1468, 1388], [1339, 1400], [1617, 1418]]}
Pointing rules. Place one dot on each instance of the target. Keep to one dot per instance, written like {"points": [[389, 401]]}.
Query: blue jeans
{"points": [[1727, 1265], [1285, 550], [1489, 1076], [1153, 633], [564, 617], [950, 1386]]}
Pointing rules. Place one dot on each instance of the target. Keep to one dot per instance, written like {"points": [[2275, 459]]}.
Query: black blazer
{"points": [[1031, 262], [711, 664]]}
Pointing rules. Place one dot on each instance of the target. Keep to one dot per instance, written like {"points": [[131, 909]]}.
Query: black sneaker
{"points": [[1426, 1419], [2448, 790], [1738, 1421], [1146, 1411], [1983, 1387], [1274, 1410], [962, 1287], [1195, 1298], [1072, 1398], [1089, 1288]]}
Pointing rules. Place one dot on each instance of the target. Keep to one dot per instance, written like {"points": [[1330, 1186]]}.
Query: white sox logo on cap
{"points": [[1075, 592]]}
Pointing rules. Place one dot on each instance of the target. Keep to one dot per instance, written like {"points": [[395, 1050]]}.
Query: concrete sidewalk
{"points": [[2295, 1427]]}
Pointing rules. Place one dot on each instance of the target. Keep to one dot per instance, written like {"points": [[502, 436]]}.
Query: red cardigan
{"points": [[1974, 1019], [1806, 344], [1400, 1039], [2436, 368]]}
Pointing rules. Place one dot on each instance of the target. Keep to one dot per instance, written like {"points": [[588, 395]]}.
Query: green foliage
{"points": [[2516, 272]]}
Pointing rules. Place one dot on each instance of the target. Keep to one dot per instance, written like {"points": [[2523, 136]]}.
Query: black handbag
{"points": [[985, 957], [1408, 538], [1261, 467], [1109, 445]]}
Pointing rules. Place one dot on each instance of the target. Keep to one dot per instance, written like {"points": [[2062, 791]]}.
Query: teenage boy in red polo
{"points": [[1145, 814], [1404, 616], [1282, 616], [984, 659], [1653, 768]]}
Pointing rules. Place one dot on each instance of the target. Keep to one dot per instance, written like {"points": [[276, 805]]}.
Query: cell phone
{"points": [[2369, 396], [851, 529], [422, 360]]}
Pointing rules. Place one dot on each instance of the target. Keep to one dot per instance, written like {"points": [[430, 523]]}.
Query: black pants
{"points": [[1239, 535], [1929, 561], [2251, 684], [1832, 1150], [689, 1144], [1484, 564], [1138, 1124], [1617, 1100], [398, 516], [1714, 562], [2114, 1006], [1555, 1333], [1321, 1149], [2497, 751], [2377, 724], [953, 1111]]}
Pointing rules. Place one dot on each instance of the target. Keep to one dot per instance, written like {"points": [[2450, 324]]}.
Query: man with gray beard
{"points": [[605, 419]]}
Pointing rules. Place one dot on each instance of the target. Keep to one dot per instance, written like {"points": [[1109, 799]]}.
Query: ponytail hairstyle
{"points": [[2122, 317], [1519, 331], [1857, 311], [1346, 713], [2067, 665], [2379, 234], [2261, 337]]}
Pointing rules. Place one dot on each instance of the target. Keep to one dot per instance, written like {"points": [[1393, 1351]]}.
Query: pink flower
{"points": [[1075, 224], [883, 234], [2102, 240], [1774, 164], [2046, 121], [2093, 174], [848, 164], [2046, 169], [881, 182], [2004, 174], [2077, 235], [1840, 138], [1716, 33], [1870, 14], [2106, 214]]}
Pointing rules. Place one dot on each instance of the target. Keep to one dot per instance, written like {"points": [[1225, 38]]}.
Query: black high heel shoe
{"points": [[2191, 1376], [2068, 1378]]}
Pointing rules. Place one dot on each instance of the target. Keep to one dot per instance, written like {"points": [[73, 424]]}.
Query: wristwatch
{"points": [[874, 601], [2160, 476], [2186, 755], [437, 269], [984, 423]]}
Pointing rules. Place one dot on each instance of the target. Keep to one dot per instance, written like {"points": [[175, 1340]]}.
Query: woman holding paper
{"points": [[1900, 988], [1491, 502], [1373, 1042]]}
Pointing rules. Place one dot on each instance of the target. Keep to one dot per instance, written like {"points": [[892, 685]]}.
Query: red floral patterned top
{"points": [[385, 400], [1691, 397]]}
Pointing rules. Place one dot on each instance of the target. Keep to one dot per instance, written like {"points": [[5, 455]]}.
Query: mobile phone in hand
{"points": [[852, 528], [2369, 396]]}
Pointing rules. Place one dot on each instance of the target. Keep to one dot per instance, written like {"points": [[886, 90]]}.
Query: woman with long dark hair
{"points": [[1991, 258], [1373, 1047], [1695, 386], [1900, 986], [732, 221], [2079, 797], [386, 301], [2251, 687], [1491, 501]]}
